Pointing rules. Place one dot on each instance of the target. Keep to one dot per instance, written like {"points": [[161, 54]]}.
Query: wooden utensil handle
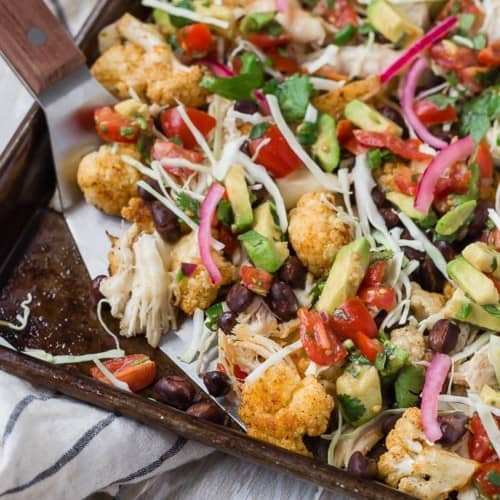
{"points": [[35, 44]]}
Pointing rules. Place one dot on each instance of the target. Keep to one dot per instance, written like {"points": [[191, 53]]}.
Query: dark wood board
{"points": [[37, 255]]}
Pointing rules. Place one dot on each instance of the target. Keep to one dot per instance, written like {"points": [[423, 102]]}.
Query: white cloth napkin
{"points": [[55, 448]]}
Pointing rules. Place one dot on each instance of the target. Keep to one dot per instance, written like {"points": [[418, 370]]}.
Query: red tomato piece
{"points": [[379, 296], [374, 274], [167, 149], [137, 370], [470, 77], [195, 39], [114, 127], [341, 14], [368, 347], [351, 317], [487, 477], [276, 155], [406, 181], [406, 149], [346, 138], [480, 448], [318, 339], [267, 41], [284, 64], [455, 180], [430, 114], [490, 56], [256, 280], [453, 57], [484, 160], [239, 373], [173, 125]]}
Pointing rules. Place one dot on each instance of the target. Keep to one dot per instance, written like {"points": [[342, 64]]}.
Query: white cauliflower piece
{"points": [[424, 304], [411, 340], [140, 291], [316, 232], [417, 468], [476, 372], [107, 182]]}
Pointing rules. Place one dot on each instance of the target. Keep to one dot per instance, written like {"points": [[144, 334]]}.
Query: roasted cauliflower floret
{"points": [[411, 340], [281, 408], [197, 290], [137, 211], [418, 468], [316, 232], [424, 304], [106, 181]]}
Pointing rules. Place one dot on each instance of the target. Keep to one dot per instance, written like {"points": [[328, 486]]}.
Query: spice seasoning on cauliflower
{"points": [[316, 233], [281, 408], [424, 304]]}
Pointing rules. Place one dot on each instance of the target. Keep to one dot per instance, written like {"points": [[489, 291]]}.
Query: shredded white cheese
{"points": [[228, 158]]}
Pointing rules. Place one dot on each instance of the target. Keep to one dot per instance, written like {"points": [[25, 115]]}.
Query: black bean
{"points": [[446, 249], [145, 195], [390, 217], [246, 106], [317, 446], [379, 318], [166, 222], [445, 135], [394, 115], [389, 422], [412, 254], [95, 292], [283, 301], [378, 196], [226, 322], [453, 427], [430, 277], [245, 148], [480, 218], [362, 466], [293, 272], [217, 383], [443, 336], [260, 195], [239, 298], [206, 410], [175, 391]]}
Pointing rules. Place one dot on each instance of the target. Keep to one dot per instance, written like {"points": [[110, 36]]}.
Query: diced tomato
{"points": [[319, 341], [276, 155], [487, 478], [379, 296], [368, 347], [430, 114], [267, 41], [374, 274], [114, 127], [174, 126], [490, 56], [351, 317], [284, 64], [480, 448], [406, 181], [406, 149], [484, 160], [137, 370], [341, 14], [470, 77], [256, 280], [195, 39], [167, 149], [228, 239], [453, 57], [346, 138], [239, 373], [455, 180]]}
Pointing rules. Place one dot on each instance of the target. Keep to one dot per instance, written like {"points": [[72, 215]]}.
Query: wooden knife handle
{"points": [[35, 44]]}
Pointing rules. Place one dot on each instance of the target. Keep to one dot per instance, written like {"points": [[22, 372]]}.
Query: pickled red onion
{"points": [[218, 69], [282, 6], [435, 376], [207, 212], [408, 100], [435, 34]]}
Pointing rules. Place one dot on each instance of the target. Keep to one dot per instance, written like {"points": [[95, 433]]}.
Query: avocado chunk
{"points": [[326, 148], [390, 361], [359, 393], [489, 396], [368, 118], [473, 282], [346, 274], [483, 258], [452, 221], [239, 197], [463, 309], [392, 23], [405, 203], [263, 243]]}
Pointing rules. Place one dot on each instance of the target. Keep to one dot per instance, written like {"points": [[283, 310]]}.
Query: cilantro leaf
{"points": [[307, 132], [494, 477], [293, 96], [225, 212], [317, 289], [442, 101], [478, 114], [376, 157], [240, 86], [352, 408], [409, 385], [256, 21], [188, 205], [212, 315], [258, 130], [179, 21]]}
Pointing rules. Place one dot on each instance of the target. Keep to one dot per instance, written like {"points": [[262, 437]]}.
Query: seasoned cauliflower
{"points": [[197, 290], [138, 211], [418, 468], [106, 181], [424, 304], [411, 340], [316, 233], [281, 408]]}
